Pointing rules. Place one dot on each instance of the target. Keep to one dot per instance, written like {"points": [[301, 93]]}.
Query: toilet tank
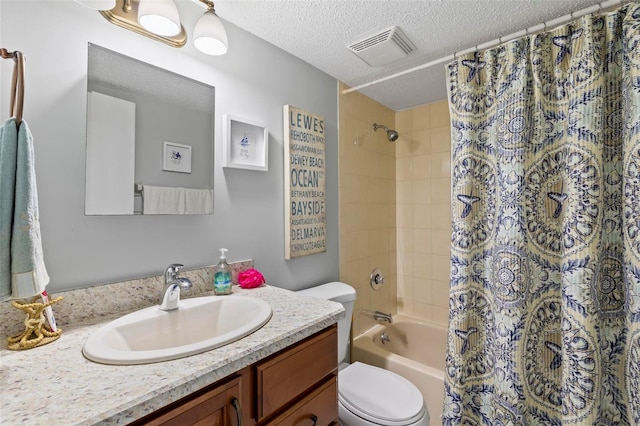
{"points": [[341, 293]]}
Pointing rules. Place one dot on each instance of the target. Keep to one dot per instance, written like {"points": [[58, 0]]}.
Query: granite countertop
{"points": [[55, 385]]}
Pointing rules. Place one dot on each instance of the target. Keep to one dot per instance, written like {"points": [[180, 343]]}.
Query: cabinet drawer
{"points": [[291, 373], [213, 406], [321, 405]]}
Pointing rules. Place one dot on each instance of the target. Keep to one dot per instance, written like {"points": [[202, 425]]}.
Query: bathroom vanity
{"points": [[296, 384], [283, 373]]}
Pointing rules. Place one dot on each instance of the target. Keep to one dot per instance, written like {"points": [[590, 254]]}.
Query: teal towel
{"points": [[22, 270]]}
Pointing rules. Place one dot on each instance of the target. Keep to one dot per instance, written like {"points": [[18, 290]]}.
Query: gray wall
{"points": [[252, 81]]}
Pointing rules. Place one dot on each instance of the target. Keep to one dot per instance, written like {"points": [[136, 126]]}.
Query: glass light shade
{"points": [[98, 4], [159, 17], [209, 35]]}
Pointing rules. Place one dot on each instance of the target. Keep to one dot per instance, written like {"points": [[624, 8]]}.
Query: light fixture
{"points": [[125, 15], [209, 35], [98, 4], [159, 16], [159, 20]]}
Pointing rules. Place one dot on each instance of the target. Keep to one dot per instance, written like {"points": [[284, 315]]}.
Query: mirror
{"points": [[150, 136]]}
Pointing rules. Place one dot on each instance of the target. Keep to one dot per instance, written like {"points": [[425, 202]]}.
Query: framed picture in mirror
{"points": [[176, 157]]}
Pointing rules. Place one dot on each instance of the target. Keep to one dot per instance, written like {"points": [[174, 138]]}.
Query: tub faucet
{"points": [[172, 286], [381, 316]]}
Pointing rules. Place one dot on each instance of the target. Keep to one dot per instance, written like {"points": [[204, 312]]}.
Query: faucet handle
{"points": [[171, 273]]}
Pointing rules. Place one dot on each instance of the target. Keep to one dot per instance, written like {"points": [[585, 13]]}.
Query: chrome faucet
{"points": [[381, 316], [172, 286]]}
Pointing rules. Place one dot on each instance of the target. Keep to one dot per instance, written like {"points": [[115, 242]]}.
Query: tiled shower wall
{"points": [[367, 205], [395, 208], [423, 204]]}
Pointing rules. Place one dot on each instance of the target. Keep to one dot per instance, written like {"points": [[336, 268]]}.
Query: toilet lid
{"points": [[378, 395]]}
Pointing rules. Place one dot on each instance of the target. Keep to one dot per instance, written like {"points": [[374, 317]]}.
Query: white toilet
{"points": [[369, 395]]}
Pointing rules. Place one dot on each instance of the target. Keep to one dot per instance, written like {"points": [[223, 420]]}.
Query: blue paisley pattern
{"points": [[562, 196], [544, 319], [474, 200], [609, 296], [632, 371]]}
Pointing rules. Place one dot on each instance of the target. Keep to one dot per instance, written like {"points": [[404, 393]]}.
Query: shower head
{"points": [[392, 135]]}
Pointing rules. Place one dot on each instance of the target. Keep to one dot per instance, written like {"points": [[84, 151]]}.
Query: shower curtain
{"points": [[544, 321]]}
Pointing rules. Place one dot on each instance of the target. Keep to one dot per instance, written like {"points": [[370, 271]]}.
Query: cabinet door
{"points": [[215, 406], [319, 408], [293, 372]]}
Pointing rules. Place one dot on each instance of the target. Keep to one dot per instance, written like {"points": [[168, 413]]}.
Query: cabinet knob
{"points": [[315, 419], [236, 405]]}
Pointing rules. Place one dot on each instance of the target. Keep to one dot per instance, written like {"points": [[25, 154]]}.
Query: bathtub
{"points": [[416, 351]]}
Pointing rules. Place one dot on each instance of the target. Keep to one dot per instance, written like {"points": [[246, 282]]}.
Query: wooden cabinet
{"points": [[215, 405], [296, 386], [291, 377], [318, 408]]}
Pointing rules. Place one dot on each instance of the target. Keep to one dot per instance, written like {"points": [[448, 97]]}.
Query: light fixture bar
{"points": [[125, 15], [207, 3]]}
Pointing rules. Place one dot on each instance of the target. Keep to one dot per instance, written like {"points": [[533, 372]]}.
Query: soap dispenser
{"points": [[222, 275]]}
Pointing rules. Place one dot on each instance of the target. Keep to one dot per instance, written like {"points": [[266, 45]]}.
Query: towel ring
{"points": [[17, 83]]}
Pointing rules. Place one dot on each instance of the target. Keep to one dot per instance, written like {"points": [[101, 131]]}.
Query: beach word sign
{"points": [[304, 183]]}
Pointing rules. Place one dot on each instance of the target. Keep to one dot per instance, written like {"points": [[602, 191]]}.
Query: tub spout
{"points": [[381, 316]]}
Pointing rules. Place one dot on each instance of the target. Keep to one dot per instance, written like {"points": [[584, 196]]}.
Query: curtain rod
{"points": [[530, 30]]}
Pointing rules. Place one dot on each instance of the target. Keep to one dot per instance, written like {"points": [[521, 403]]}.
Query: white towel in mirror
{"points": [[163, 200], [199, 201], [167, 200]]}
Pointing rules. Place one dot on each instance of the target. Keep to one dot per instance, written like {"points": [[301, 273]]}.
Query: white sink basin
{"points": [[198, 325]]}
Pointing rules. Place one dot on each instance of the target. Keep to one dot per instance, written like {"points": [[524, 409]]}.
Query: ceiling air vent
{"points": [[383, 48]]}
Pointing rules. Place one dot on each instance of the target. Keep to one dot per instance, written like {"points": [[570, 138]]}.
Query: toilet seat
{"points": [[379, 396]]}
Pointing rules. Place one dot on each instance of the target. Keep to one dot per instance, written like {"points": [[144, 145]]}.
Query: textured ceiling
{"points": [[318, 31]]}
